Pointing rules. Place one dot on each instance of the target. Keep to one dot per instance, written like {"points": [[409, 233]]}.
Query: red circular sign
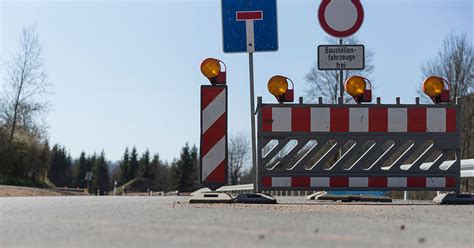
{"points": [[340, 18]]}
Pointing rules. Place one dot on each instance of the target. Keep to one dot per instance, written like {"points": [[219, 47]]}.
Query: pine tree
{"points": [[54, 168], [159, 173], [125, 167], [70, 173], [60, 171], [154, 167], [134, 164], [184, 170], [90, 165], [81, 170], [145, 170], [101, 173]]}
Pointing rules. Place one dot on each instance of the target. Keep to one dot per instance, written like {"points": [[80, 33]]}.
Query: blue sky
{"points": [[127, 73]]}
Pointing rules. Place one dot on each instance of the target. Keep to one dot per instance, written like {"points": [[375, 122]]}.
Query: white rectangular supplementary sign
{"points": [[341, 57]]}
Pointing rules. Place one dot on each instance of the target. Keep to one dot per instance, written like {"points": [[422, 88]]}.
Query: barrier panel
{"points": [[352, 147]]}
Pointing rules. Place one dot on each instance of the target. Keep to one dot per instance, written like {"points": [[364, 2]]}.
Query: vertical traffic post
{"points": [[213, 152], [341, 80], [249, 27], [250, 17], [252, 123], [213, 157]]}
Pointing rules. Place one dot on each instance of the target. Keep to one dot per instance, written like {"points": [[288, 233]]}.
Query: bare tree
{"points": [[467, 135], [326, 83], [238, 156], [455, 63], [26, 81]]}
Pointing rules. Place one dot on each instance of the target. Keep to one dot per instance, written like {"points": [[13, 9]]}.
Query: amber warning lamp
{"points": [[359, 88], [437, 88], [212, 69], [278, 86]]}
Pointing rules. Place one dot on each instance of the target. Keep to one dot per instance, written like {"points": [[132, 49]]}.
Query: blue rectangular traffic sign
{"points": [[249, 26]]}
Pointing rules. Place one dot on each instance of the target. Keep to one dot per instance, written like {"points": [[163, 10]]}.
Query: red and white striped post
{"points": [[213, 152]]}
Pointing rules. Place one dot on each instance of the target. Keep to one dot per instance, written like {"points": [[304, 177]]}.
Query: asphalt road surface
{"points": [[125, 221]]}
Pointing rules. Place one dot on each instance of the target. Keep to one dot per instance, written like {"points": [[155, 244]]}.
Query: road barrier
{"points": [[353, 147], [213, 152]]}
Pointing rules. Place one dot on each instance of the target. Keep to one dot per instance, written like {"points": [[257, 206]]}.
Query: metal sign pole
{"points": [[341, 80], [341, 91], [252, 120]]}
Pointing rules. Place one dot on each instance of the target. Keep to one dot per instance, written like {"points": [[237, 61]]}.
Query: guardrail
{"points": [[70, 189], [467, 168]]}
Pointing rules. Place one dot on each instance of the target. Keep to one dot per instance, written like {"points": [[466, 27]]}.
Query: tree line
{"points": [[138, 172], [25, 154], [33, 163]]}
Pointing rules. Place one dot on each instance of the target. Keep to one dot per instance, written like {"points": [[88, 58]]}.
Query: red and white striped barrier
{"points": [[213, 152], [359, 119], [359, 182]]}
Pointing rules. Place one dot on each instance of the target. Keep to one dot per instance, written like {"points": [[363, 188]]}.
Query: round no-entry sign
{"points": [[340, 18]]}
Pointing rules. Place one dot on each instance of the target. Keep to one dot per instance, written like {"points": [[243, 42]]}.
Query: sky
{"points": [[127, 73]]}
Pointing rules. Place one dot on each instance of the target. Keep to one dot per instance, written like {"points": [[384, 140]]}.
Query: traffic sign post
{"points": [[340, 19], [248, 27], [252, 121]]}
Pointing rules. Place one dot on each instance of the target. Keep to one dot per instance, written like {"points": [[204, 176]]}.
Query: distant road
{"points": [[7, 190], [126, 221]]}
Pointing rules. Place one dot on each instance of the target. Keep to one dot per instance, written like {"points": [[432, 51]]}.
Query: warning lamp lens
{"points": [[277, 85], [210, 68], [355, 86], [433, 86]]}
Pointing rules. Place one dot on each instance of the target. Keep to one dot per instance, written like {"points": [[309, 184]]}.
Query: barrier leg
{"points": [[211, 197], [255, 198], [454, 198]]}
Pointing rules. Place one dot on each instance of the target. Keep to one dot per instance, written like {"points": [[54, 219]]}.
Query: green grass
{"points": [[26, 182]]}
